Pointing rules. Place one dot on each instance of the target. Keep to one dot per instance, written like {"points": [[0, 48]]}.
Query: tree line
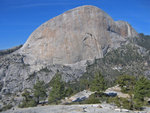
{"points": [[138, 89], [58, 91]]}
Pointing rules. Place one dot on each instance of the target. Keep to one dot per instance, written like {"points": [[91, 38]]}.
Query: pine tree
{"points": [[127, 83], [142, 89], [98, 84], [58, 89], [28, 100], [68, 91], [40, 91]]}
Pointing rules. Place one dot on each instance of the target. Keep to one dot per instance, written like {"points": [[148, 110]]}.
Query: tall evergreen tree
{"points": [[142, 89], [40, 91], [98, 84], [127, 83], [58, 89]]}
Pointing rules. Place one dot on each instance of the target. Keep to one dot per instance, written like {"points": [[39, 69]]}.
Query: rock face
{"points": [[64, 44], [82, 33], [15, 76]]}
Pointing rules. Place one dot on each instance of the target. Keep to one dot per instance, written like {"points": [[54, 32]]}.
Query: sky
{"points": [[19, 18]]}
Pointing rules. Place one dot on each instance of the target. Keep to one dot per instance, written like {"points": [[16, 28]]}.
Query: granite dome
{"points": [[82, 33]]}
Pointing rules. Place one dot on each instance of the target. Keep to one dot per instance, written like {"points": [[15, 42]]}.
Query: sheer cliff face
{"points": [[79, 34]]}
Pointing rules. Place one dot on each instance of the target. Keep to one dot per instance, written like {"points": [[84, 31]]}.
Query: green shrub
{"points": [[126, 104], [138, 104], [120, 102], [92, 100], [95, 98], [22, 105], [114, 100], [30, 103], [6, 107]]}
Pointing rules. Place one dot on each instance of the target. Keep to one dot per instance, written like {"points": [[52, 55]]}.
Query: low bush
{"points": [[91, 100], [6, 107], [25, 104]]}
